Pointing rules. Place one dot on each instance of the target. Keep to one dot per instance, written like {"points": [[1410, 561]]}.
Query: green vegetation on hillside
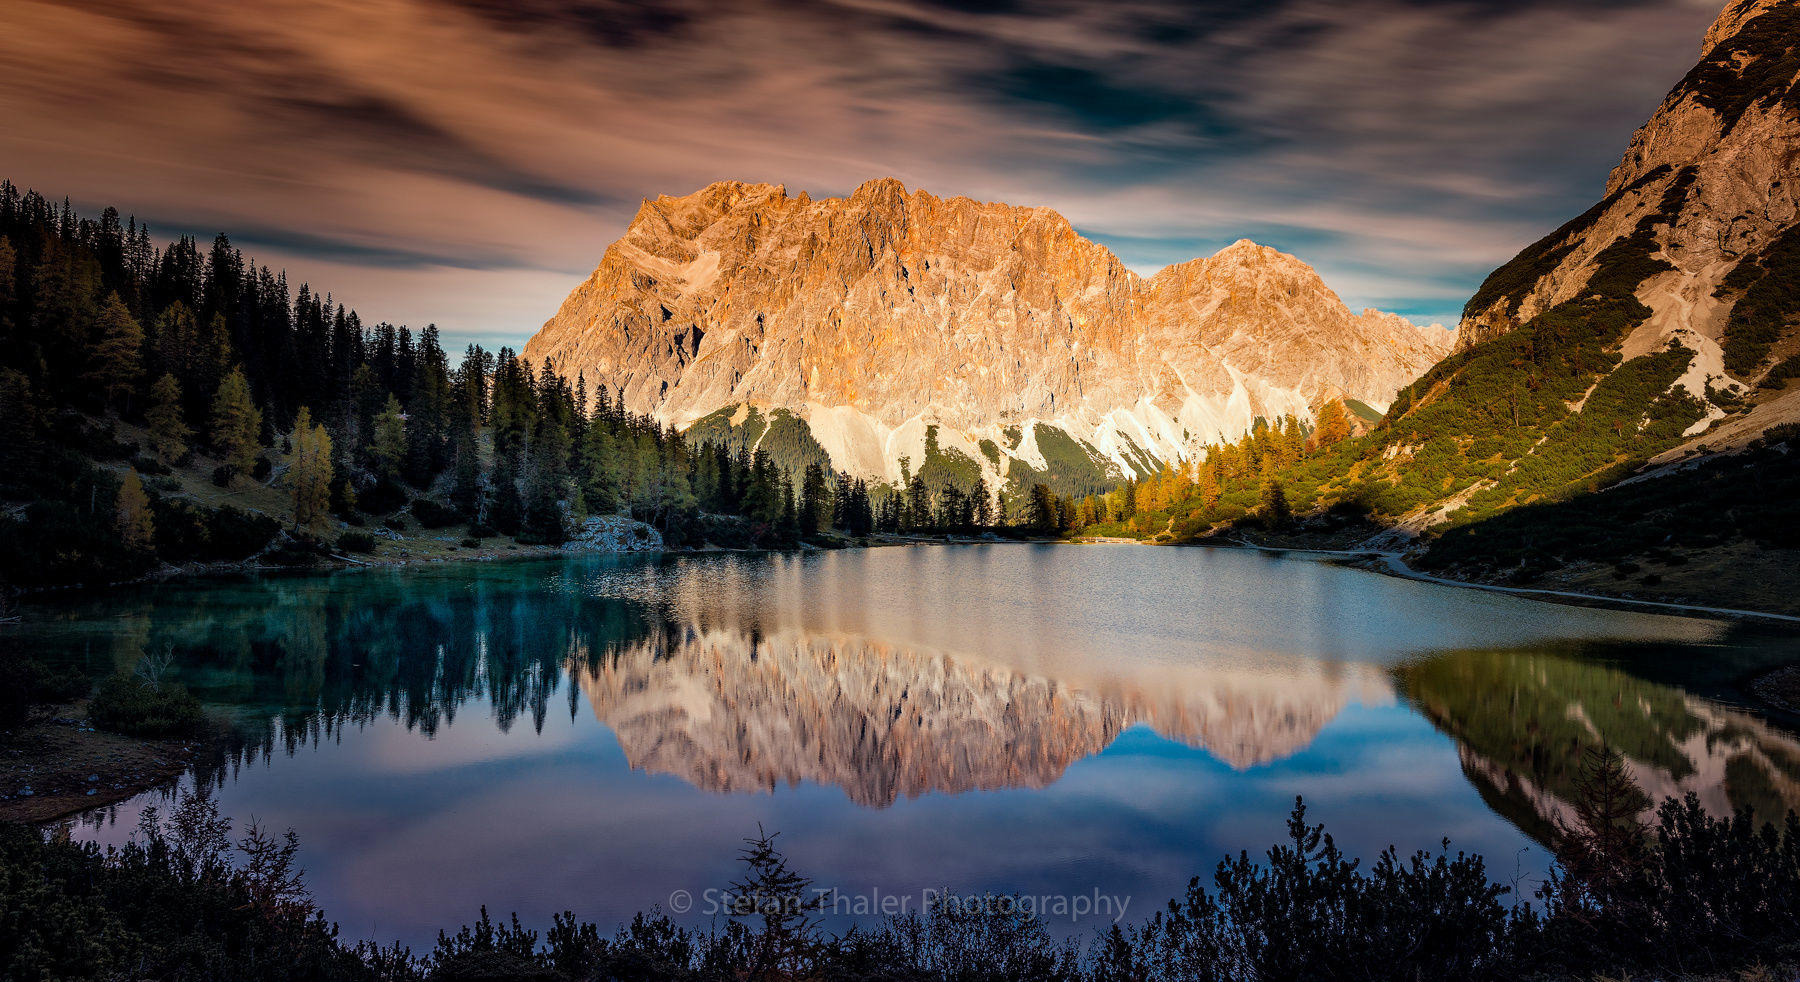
{"points": [[948, 468], [1072, 467], [1751, 68], [1538, 413], [1747, 497], [1767, 308], [1519, 274]]}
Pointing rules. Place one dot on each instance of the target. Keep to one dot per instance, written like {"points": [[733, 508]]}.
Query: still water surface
{"points": [[596, 733]]}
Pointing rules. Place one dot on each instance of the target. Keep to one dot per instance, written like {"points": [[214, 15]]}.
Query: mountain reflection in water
{"points": [[1004, 718], [730, 711]]}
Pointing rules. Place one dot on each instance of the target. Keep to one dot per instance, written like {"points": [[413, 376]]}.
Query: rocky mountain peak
{"points": [[1732, 19], [1710, 177], [892, 321]]}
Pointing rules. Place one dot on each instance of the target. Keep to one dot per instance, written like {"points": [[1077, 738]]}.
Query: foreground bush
{"points": [[27, 685], [1699, 895], [145, 707], [174, 904]]}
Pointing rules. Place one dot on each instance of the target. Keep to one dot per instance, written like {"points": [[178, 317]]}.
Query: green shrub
{"points": [[382, 498], [298, 549], [1755, 65], [54, 543], [190, 532], [470, 543], [141, 707], [1770, 301], [356, 542], [432, 515]]}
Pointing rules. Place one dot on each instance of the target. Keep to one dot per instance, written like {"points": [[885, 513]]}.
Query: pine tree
{"points": [[9, 258], [118, 362], [984, 505], [1045, 513], [786, 905], [236, 424], [1275, 509], [1606, 843], [506, 512], [131, 514], [173, 339], [815, 501], [310, 470], [387, 441], [599, 464], [169, 432], [214, 359], [918, 504], [1333, 424], [788, 527], [465, 488], [543, 520]]}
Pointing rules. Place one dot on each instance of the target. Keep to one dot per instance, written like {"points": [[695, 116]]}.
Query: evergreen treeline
{"points": [[220, 364]]}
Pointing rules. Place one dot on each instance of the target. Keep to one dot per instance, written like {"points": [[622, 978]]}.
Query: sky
{"points": [[466, 162]]}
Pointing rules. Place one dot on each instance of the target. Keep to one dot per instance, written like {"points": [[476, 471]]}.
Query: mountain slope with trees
{"points": [[1638, 341], [182, 405]]}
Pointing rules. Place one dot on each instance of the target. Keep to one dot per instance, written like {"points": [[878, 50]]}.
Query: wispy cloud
{"points": [[391, 148]]}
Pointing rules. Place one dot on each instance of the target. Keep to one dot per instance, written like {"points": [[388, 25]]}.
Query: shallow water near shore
{"points": [[597, 734]]}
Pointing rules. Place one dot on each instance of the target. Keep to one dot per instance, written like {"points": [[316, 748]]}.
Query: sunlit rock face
{"points": [[1720, 159], [730, 711], [874, 316]]}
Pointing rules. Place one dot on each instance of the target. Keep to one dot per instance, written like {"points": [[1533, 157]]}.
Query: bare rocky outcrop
{"points": [[874, 316], [614, 533], [1719, 162]]}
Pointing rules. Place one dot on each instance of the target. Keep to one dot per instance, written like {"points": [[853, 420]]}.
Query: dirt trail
{"points": [[1395, 564]]}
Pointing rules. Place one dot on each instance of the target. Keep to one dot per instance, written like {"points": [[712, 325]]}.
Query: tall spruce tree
{"points": [[310, 471], [236, 424], [387, 442], [131, 514], [118, 363], [169, 432]]}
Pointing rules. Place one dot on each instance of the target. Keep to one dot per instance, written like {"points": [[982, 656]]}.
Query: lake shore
{"points": [[60, 764], [1394, 564]]}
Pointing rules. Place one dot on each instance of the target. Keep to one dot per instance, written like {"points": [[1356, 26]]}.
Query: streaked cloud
{"points": [[466, 161]]}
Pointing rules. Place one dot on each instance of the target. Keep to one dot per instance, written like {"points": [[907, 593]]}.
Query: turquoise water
{"points": [[598, 734]]}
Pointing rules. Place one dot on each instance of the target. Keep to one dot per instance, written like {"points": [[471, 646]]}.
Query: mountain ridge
{"points": [[875, 317]]}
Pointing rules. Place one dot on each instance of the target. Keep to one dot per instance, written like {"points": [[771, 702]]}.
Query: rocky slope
{"points": [[894, 319], [1716, 171], [1658, 325]]}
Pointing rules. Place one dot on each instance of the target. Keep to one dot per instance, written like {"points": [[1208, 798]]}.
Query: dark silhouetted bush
{"points": [[432, 515], [142, 707]]}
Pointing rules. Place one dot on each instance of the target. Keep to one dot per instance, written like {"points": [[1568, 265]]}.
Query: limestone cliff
{"points": [[891, 316], [1715, 174]]}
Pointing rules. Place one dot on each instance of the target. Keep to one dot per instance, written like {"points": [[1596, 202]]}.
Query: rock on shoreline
{"points": [[614, 533]]}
